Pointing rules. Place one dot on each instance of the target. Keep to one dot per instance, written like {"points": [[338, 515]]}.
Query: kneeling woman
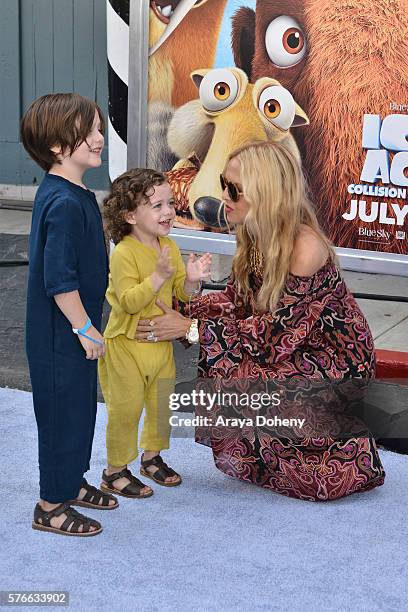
{"points": [[286, 315]]}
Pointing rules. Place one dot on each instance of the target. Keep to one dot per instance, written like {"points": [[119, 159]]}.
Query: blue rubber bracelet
{"points": [[80, 333], [83, 329]]}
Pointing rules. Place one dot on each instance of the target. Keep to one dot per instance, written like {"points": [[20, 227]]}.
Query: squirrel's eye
{"points": [[218, 89], [278, 106]]}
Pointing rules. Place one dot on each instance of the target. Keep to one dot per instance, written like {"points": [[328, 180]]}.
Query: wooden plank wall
{"points": [[48, 46]]}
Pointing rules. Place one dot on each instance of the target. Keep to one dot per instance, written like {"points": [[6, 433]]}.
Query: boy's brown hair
{"points": [[128, 191], [59, 119]]}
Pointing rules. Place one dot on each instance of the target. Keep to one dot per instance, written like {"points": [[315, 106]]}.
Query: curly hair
{"points": [[128, 191]]}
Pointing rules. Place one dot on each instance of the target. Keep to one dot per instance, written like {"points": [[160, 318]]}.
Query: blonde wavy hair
{"points": [[275, 188]]}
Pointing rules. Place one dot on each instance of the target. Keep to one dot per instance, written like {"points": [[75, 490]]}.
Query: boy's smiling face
{"points": [[87, 155], [156, 217]]}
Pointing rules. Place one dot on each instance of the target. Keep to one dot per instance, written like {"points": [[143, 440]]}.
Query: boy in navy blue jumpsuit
{"points": [[67, 281]]}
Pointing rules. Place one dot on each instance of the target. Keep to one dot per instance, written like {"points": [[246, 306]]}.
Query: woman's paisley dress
{"points": [[317, 334]]}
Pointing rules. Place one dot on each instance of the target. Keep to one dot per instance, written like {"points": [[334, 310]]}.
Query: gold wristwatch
{"points": [[192, 334]]}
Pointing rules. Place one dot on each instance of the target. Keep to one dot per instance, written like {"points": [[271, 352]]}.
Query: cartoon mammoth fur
{"points": [[340, 60]]}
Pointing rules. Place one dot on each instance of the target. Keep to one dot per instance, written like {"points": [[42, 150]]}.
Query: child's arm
{"points": [[185, 287], [72, 308], [133, 294], [64, 230], [190, 288]]}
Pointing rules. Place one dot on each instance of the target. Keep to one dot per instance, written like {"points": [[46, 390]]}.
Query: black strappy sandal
{"points": [[161, 474], [92, 498], [73, 520], [131, 490]]}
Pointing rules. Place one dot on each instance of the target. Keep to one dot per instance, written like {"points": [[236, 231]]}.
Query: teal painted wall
{"points": [[48, 46]]}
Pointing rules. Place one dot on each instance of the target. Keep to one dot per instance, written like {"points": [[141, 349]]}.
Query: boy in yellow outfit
{"points": [[145, 266]]}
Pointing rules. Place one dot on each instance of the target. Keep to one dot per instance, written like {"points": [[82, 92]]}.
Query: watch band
{"points": [[192, 334]]}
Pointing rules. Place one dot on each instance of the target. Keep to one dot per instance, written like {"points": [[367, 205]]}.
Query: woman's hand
{"points": [[198, 269], [169, 326], [93, 350]]}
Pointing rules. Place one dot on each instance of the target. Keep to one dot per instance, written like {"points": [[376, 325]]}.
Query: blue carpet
{"points": [[212, 544]]}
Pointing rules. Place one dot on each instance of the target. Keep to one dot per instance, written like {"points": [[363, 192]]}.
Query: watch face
{"points": [[193, 335]]}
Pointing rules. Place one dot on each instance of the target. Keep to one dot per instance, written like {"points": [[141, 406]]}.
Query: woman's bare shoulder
{"points": [[309, 253]]}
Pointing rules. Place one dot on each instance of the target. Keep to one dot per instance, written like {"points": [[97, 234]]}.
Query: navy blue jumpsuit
{"points": [[67, 252]]}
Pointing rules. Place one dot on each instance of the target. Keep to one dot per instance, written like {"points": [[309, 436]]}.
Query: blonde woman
{"points": [[286, 316]]}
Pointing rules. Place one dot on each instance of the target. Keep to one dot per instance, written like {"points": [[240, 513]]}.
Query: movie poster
{"points": [[330, 78]]}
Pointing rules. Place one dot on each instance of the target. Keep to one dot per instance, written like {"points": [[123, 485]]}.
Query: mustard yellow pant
{"points": [[134, 375]]}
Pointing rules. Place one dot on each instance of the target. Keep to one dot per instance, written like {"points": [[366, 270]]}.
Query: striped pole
{"points": [[129, 116], [117, 20], [138, 83]]}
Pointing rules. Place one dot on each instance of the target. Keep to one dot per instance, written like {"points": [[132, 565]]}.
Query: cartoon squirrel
{"points": [[183, 36], [229, 113]]}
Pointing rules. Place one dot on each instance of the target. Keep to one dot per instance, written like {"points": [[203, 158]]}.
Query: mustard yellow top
{"points": [[130, 292]]}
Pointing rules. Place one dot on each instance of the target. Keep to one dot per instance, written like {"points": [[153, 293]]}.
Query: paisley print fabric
{"points": [[316, 333]]}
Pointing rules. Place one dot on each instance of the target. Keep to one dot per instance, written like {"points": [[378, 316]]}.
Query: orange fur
{"points": [[192, 45], [356, 63]]}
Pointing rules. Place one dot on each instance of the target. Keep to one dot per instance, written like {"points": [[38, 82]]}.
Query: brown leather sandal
{"points": [[131, 490], [92, 498], [71, 524], [161, 474]]}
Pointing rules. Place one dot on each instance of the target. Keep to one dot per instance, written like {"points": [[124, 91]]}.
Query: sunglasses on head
{"points": [[233, 191]]}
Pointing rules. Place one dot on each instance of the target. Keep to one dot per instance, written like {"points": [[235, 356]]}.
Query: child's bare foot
{"points": [[153, 466], [121, 481]]}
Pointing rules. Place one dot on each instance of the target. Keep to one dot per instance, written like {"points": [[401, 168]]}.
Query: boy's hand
{"points": [[198, 269], [164, 266], [92, 349]]}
